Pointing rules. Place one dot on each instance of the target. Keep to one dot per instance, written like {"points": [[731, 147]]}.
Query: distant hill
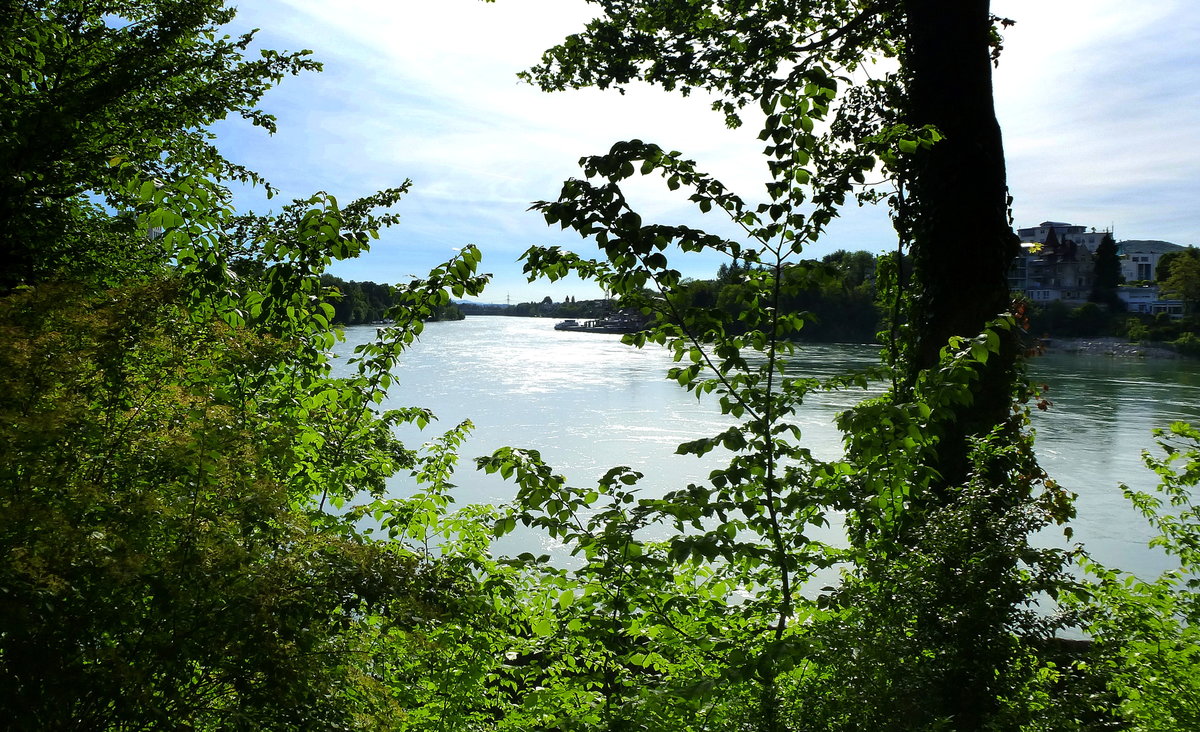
{"points": [[1149, 246]]}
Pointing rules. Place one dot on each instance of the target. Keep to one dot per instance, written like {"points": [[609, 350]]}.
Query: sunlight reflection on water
{"points": [[588, 403]]}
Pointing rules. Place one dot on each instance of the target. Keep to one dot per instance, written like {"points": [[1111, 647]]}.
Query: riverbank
{"points": [[1108, 346]]}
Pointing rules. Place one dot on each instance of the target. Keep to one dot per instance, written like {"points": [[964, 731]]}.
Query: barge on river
{"points": [[613, 324]]}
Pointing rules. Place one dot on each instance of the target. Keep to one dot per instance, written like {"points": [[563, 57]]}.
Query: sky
{"points": [[1099, 101]]}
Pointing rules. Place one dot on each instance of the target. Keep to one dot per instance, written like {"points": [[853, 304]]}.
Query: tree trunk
{"points": [[962, 243], [962, 247]]}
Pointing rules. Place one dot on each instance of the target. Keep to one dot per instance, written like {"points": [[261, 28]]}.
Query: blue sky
{"points": [[1099, 101]]}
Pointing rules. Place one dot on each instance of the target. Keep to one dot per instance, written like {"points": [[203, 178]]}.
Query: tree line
{"points": [[196, 524], [359, 303], [838, 297], [837, 294]]}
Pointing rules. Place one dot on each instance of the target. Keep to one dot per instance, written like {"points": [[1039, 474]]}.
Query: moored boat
{"points": [[613, 324]]}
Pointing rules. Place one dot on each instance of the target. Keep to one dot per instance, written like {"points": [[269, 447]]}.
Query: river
{"points": [[588, 403]]}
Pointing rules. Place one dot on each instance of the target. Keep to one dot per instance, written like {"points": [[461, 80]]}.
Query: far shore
{"points": [[1108, 346]]}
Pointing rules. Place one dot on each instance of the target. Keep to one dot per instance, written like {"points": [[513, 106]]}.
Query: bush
{"points": [[1136, 331], [1089, 320], [1187, 344]]}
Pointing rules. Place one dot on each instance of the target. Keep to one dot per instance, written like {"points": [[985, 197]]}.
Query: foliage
{"points": [[1136, 331], [1147, 631], [1108, 265], [174, 446], [837, 297], [855, 268], [356, 303], [1184, 281], [772, 654], [1187, 344], [166, 555], [572, 308], [1162, 328], [1162, 270], [939, 450], [85, 82], [1107, 275], [1089, 320], [566, 309], [195, 526]]}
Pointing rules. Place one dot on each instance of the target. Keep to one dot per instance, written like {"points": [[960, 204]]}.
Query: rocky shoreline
{"points": [[1109, 346]]}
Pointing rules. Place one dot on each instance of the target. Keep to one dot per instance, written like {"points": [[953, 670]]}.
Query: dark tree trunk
{"points": [[962, 246], [962, 241]]}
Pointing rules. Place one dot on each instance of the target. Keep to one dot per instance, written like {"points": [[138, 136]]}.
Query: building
{"points": [[1056, 262], [1144, 299], [1064, 231], [1139, 258], [1058, 269]]}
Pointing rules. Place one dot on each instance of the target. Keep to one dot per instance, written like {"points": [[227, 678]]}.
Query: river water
{"points": [[588, 403]]}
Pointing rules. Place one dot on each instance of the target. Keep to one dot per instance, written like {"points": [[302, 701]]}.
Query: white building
{"points": [[1139, 258], [1144, 299]]}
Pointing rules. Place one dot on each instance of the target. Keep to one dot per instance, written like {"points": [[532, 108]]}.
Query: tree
{"points": [[87, 82], [1162, 271], [157, 570], [856, 268], [1108, 264], [957, 195], [1147, 631], [171, 437], [953, 202], [1184, 281], [1107, 274], [918, 478]]}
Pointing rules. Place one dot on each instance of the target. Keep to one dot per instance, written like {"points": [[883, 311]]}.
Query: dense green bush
{"points": [[1187, 344]]}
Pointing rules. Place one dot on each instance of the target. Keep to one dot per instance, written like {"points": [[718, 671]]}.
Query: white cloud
{"points": [[1099, 105]]}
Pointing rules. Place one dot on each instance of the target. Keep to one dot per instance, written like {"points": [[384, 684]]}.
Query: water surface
{"points": [[588, 403]]}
